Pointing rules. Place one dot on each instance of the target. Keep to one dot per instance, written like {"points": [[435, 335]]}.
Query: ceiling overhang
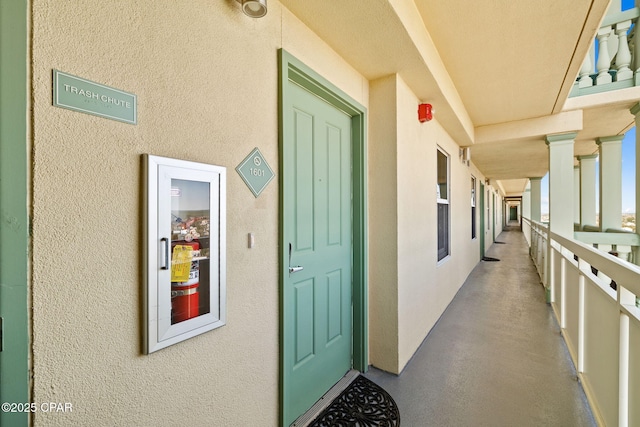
{"points": [[497, 73]]}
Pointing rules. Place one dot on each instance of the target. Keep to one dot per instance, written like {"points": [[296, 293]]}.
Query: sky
{"points": [[628, 177], [629, 172]]}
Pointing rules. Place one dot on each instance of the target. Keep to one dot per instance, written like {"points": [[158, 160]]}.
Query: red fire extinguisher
{"points": [[185, 299]]}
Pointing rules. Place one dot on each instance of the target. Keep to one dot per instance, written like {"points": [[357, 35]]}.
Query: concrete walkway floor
{"points": [[495, 357]]}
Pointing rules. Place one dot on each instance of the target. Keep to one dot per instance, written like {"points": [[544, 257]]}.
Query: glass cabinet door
{"points": [[185, 256], [190, 249]]}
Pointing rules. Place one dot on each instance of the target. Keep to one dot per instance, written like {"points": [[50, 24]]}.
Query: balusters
{"points": [[585, 72], [618, 56], [604, 59], [623, 57]]}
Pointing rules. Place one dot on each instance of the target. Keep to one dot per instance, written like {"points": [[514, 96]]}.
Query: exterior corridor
{"points": [[495, 357]]}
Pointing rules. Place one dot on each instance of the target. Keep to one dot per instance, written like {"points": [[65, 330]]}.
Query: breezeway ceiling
{"points": [[514, 187], [510, 60], [501, 61]]}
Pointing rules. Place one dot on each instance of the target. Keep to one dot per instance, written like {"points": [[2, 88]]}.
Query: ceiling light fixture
{"points": [[254, 8]]}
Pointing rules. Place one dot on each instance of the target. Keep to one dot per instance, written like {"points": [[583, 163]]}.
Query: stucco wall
{"points": [[409, 289], [383, 224], [426, 286], [206, 80]]}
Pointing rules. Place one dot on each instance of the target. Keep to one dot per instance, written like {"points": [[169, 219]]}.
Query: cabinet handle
{"points": [[165, 266]]}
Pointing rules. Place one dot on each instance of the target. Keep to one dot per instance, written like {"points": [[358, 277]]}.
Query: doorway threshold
{"points": [[326, 400]]}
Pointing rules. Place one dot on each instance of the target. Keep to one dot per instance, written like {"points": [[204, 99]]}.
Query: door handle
{"points": [[297, 267], [165, 258]]}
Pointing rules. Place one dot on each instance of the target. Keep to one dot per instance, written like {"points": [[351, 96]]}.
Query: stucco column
{"points": [[576, 194], [383, 247], [526, 213], [561, 183], [526, 202], [587, 184], [536, 199], [610, 149]]}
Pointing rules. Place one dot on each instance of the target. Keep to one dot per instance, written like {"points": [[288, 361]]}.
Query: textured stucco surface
{"points": [[206, 80], [426, 287], [409, 289], [383, 225]]}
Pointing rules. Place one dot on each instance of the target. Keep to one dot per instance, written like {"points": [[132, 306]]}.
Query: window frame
{"points": [[474, 192], [443, 251]]}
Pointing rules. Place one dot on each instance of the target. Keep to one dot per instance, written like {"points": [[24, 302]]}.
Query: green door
{"points": [[317, 232], [493, 223], [14, 223], [482, 213]]}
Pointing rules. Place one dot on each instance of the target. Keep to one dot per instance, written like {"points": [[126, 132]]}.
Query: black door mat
{"points": [[488, 258], [362, 404]]}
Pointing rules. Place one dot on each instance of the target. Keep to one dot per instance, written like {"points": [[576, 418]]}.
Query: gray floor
{"points": [[495, 357]]}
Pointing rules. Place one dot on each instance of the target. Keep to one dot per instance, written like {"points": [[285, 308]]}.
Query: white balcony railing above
{"points": [[618, 59]]}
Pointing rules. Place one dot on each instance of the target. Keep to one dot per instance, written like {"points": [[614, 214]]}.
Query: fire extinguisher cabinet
{"points": [[185, 222]]}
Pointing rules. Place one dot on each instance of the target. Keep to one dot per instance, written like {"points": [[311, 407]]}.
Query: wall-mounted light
{"points": [[254, 8], [465, 155], [425, 112]]}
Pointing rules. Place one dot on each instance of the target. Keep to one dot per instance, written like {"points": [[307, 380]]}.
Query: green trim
{"points": [[626, 15], [605, 139], [14, 220], [292, 69], [607, 238], [568, 137], [482, 220], [602, 88], [493, 215]]}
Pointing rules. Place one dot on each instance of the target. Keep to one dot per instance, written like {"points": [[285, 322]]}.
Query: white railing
{"points": [[625, 245], [618, 59], [536, 235], [600, 324], [526, 230]]}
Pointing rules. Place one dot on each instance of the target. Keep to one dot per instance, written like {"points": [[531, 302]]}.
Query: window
{"points": [[443, 205], [473, 207]]}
